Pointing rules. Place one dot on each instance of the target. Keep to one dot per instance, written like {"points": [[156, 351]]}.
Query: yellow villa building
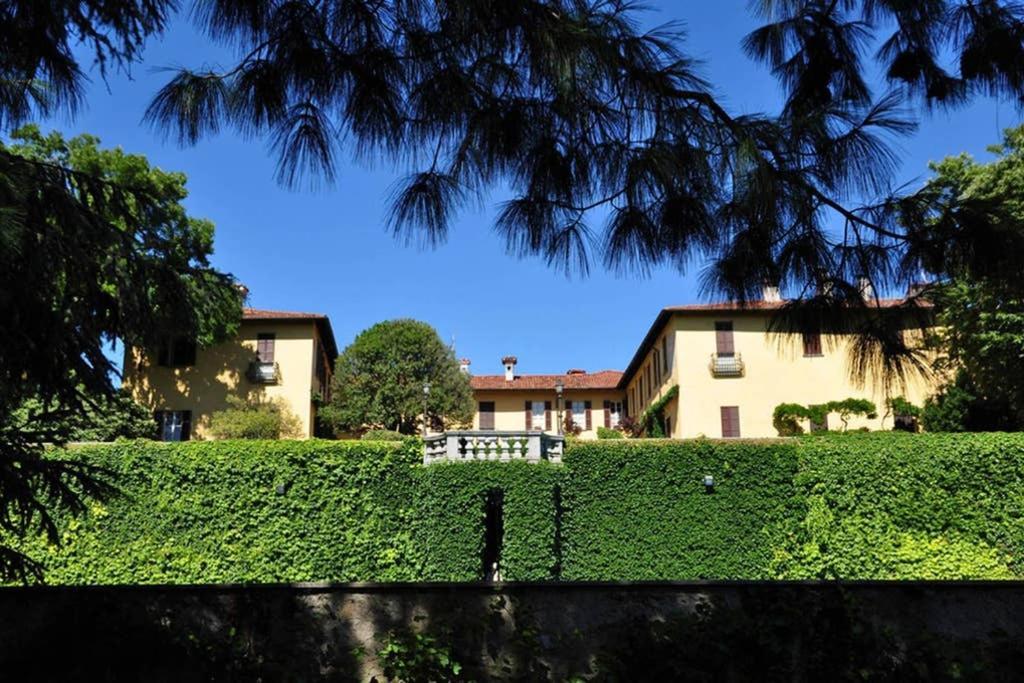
{"points": [[730, 373], [276, 355]]}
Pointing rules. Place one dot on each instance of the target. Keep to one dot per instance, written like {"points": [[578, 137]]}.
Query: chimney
{"points": [[770, 294], [510, 367], [464, 365]]}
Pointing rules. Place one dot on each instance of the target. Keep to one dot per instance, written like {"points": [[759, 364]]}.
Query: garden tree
{"points": [[102, 418], [584, 117], [95, 246], [981, 319], [379, 379]]}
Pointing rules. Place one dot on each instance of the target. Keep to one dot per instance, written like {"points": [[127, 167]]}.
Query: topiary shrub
{"points": [[606, 433], [382, 435], [257, 419], [786, 418]]}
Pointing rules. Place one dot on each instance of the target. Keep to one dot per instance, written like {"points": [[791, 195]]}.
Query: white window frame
{"points": [[579, 414], [614, 413], [173, 424], [538, 419]]}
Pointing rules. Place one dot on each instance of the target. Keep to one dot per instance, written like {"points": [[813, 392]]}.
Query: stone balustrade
{"points": [[464, 446]]}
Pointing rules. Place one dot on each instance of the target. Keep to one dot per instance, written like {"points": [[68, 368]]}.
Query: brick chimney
{"points": [[510, 367]]}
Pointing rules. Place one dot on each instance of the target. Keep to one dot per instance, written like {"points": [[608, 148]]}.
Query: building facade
{"points": [[276, 355], [548, 403], [731, 372]]}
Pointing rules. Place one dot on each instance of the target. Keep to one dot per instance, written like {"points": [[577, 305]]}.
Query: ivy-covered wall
{"points": [[881, 506], [639, 509]]}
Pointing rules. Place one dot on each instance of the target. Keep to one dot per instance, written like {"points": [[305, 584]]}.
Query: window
{"points": [[666, 364], [174, 425], [656, 364], [486, 411], [265, 347], [812, 343], [178, 352], [612, 414], [730, 422], [724, 343], [537, 415], [580, 412]]}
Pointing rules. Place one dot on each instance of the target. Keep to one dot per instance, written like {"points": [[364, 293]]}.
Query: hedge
{"points": [[639, 510], [212, 512], [451, 512], [883, 506]]}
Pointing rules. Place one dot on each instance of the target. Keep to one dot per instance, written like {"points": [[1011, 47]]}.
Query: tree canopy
{"points": [[95, 246], [379, 380], [981, 319]]}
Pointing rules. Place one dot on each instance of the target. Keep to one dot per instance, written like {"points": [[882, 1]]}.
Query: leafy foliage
{"points": [[382, 435], [379, 380], [408, 657], [885, 505], [241, 512], [653, 419], [786, 417], [95, 246], [101, 419], [606, 433], [638, 509], [949, 410], [257, 419], [450, 525]]}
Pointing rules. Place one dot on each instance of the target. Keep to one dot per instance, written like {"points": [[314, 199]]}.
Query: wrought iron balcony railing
{"points": [[726, 366], [261, 372]]}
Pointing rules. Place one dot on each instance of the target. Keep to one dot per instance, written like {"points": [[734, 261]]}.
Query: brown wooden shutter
{"points": [[586, 408], [607, 414], [812, 343], [158, 417], [529, 415], [568, 412], [486, 411], [724, 344], [547, 415], [186, 425], [730, 421]]}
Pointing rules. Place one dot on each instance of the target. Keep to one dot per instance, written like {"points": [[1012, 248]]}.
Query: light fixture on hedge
{"points": [[709, 484]]}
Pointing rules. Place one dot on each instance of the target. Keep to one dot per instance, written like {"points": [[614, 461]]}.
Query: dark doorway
{"points": [[494, 533]]}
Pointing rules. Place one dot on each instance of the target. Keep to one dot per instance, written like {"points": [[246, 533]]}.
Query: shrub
{"points": [[631, 427], [905, 414], [606, 433], [569, 426], [257, 419], [786, 418], [382, 435], [102, 419], [947, 411]]}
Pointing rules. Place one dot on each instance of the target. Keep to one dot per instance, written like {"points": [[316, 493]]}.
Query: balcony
{"points": [[726, 366], [261, 372], [465, 446]]}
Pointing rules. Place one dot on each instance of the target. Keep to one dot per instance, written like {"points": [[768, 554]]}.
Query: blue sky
{"points": [[328, 251]]}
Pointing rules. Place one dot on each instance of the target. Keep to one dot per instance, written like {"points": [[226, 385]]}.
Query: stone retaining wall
{"points": [[658, 631]]}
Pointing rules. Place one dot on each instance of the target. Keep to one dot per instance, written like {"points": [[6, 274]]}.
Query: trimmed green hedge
{"points": [[210, 512], [638, 509], [882, 505], [451, 508]]}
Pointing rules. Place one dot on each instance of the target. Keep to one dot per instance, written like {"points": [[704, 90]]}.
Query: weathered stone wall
{"points": [[663, 631]]}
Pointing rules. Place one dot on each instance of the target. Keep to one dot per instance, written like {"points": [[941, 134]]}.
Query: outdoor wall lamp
{"points": [[709, 484]]}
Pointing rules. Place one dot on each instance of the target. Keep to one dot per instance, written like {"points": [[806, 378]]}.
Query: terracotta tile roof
{"points": [[322, 322], [603, 379], [757, 306], [262, 314]]}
